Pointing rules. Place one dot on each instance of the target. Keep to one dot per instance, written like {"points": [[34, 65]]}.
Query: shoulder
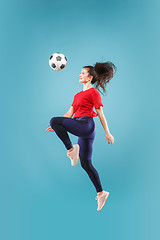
{"points": [[96, 93], [95, 90]]}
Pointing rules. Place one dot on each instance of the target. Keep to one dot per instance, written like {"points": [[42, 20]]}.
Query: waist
{"points": [[83, 117]]}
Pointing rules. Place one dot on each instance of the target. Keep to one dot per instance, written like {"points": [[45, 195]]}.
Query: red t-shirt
{"points": [[85, 101]]}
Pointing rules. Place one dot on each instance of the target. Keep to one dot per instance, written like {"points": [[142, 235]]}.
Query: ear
{"points": [[91, 77]]}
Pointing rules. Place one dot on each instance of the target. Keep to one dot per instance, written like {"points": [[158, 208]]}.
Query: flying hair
{"points": [[102, 73]]}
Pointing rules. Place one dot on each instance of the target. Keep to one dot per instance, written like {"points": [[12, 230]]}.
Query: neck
{"points": [[87, 86]]}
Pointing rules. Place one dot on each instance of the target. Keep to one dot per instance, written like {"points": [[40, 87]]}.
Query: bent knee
{"points": [[52, 121], [56, 120]]}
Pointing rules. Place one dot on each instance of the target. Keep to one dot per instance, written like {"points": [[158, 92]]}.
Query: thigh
{"points": [[86, 147], [80, 128]]}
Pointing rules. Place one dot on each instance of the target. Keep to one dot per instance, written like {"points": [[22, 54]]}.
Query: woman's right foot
{"points": [[70, 150], [74, 155]]}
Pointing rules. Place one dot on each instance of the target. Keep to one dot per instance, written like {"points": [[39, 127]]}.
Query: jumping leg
{"points": [[86, 162]]}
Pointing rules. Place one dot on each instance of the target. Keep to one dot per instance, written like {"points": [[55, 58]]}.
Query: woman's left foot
{"points": [[102, 199]]}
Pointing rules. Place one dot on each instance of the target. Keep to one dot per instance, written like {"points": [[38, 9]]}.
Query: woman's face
{"points": [[83, 77]]}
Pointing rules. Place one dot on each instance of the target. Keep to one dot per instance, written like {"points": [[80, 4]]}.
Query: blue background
{"points": [[42, 196]]}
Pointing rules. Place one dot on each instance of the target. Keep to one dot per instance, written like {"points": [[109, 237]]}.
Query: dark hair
{"points": [[102, 73]]}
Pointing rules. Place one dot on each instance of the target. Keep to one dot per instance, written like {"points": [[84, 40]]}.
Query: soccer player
{"points": [[82, 124]]}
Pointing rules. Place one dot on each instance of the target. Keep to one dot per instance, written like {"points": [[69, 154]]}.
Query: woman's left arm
{"points": [[102, 119], [104, 124]]}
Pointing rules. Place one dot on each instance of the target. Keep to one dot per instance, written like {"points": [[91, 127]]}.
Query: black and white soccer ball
{"points": [[57, 61]]}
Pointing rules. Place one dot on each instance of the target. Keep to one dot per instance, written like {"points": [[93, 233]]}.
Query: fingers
{"points": [[110, 141], [50, 129]]}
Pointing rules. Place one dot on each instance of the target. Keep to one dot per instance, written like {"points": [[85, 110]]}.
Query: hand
{"points": [[109, 138], [50, 129]]}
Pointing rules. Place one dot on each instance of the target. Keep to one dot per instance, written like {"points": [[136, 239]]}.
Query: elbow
{"points": [[101, 115]]}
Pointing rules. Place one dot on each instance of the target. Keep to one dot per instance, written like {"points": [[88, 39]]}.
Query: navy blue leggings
{"points": [[84, 128]]}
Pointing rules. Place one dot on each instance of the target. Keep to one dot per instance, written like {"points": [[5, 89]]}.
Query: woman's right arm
{"points": [[70, 113]]}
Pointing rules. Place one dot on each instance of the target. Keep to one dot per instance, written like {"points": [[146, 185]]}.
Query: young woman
{"points": [[82, 124]]}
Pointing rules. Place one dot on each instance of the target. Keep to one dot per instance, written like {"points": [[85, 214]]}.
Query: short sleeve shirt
{"points": [[85, 101]]}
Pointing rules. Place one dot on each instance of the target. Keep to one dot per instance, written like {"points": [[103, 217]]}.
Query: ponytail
{"points": [[102, 73]]}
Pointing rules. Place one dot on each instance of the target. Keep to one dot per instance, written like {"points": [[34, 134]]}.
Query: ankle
{"points": [[70, 149], [100, 193]]}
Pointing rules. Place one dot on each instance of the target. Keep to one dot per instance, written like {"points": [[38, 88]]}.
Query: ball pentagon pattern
{"points": [[57, 61]]}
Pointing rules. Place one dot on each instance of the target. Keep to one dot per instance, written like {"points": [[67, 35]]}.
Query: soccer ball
{"points": [[57, 61]]}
